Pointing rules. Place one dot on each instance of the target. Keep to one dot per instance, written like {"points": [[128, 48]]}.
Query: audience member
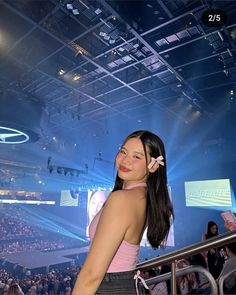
{"points": [[185, 283], [215, 258]]}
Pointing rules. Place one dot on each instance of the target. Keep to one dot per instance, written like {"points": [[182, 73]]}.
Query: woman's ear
{"points": [[153, 165]]}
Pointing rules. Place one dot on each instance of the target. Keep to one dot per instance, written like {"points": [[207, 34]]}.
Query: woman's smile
{"points": [[123, 169]]}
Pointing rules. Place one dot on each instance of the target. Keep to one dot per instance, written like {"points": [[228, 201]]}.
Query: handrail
{"points": [[171, 257], [168, 258], [183, 271], [222, 279]]}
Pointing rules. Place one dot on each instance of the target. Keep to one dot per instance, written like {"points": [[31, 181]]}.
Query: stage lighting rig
{"points": [[65, 170]]}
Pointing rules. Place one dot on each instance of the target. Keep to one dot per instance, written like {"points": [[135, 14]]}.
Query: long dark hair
{"points": [[159, 207], [209, 234]]}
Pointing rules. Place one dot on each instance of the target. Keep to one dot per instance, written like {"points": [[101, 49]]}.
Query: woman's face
{"points": [[95, 204], [131, 162], [213, 229]]}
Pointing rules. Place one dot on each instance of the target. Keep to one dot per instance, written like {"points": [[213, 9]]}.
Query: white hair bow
{"points": [[158, 160]]}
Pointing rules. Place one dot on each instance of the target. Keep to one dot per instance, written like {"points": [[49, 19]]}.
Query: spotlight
{"points": [[76, 77], [75, 11], [61, 72], [69, 6], [98, 11], [106, 37], [102, 34]]}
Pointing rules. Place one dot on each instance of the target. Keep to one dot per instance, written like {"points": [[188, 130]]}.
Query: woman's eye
{"points": [[122, 152], [136, 157]]}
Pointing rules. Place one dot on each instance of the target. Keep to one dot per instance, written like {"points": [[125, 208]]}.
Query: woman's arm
{"points": [[113, 224]]}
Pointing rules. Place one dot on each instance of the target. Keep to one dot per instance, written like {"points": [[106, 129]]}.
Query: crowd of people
{"points": [[11, 229], [54, 282], [36, 244], [18, 235]]}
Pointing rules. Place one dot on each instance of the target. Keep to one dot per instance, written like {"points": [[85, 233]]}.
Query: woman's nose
{"points": [[126, 159]]}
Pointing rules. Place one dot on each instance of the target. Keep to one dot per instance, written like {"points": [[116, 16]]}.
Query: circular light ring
{"points": [[13, 134]]}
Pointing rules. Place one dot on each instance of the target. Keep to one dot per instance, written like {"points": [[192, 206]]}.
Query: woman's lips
{"points": [[123, 169]]}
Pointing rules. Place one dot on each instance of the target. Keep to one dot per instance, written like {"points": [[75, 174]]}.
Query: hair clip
{"points": [[154, 160]]}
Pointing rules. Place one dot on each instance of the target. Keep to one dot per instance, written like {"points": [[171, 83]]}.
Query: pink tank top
{"points": [[126, 256]]}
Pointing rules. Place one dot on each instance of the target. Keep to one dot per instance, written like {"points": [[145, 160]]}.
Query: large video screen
{"points": [[209, 193]]}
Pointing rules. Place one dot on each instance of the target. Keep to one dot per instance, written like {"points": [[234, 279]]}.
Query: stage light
{"points": [[98, 11], [76, 77], [69, 6], [65, 170], [102, 34], [75, 11], [106, 37], [61, 72]]}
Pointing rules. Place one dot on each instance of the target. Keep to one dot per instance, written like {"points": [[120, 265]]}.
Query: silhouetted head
{"points": [[212, 229]]}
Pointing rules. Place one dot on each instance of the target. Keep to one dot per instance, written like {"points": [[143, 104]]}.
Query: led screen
{"points": [[208, 193]]}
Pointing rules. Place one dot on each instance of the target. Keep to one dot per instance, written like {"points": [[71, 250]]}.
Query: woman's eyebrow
{"points": [[139, 153], [136, 152]]}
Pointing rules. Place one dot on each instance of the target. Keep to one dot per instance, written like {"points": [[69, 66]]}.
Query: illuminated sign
{"points": [[12, 136], [31, 202]]}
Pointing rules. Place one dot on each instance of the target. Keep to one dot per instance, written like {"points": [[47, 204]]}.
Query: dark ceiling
{"points": [[78, 76]]}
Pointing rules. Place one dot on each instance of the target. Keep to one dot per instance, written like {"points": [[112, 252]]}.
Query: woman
{"points": [[139, 199], [215, 259]]}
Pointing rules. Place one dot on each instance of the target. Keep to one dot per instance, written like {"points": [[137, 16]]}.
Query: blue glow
{"points": [[51, 222]]}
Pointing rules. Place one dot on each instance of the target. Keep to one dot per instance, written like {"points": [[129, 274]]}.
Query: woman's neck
{"points": [[140, 184]]}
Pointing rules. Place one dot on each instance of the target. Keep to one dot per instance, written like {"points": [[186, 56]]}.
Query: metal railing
{"points": [[184, 271], [172, 257], [222, 279]]}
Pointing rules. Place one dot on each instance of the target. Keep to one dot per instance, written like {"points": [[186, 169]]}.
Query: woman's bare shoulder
{"points": [[125, 198], [117, 196]]}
